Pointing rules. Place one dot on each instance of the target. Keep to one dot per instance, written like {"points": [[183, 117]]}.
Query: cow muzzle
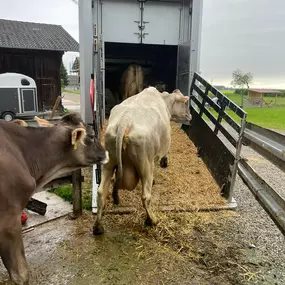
{"points": [[182, 120], [106, 159]]}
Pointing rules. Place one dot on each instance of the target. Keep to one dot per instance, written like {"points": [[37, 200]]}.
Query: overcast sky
{"points": [[245, 34]]}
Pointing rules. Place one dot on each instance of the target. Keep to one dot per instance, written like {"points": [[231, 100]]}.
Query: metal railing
{"points": [[269, 144], [222, 163]]}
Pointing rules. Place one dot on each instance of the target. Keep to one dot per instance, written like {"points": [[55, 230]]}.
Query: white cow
{"points": [[137, 135]]}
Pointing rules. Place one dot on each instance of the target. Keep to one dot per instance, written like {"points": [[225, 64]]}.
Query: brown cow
{"points": [[137, 135], [30, 158], [132, 81]]}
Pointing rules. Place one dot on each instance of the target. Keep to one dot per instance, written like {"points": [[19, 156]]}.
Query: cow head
{"points": [[178, 107], [85, 148]]}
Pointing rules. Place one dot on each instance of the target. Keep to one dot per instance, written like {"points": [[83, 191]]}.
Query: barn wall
{"points": [[42, 66], [254, 98]]}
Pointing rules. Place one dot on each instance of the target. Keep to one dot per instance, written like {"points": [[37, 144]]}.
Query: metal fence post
{"points": [[237, 159], [76, 194]]}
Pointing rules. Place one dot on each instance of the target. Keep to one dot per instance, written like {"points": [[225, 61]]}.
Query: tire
{"points": [[8, 116]]}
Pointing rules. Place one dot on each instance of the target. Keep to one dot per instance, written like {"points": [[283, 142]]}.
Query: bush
{"points": [[239, 91]]}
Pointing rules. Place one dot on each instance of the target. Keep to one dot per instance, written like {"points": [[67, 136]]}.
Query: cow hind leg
{"points": [[13, 254], [115, 194], [107, 173], [147, 182], [115, 191]]}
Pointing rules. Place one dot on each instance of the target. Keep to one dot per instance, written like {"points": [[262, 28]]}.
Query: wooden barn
{"points": [[256, 96], [35, 50]]}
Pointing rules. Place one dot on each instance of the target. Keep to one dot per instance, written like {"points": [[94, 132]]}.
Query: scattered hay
{"points": [[184, 237], [185, 184], [179, 244]]}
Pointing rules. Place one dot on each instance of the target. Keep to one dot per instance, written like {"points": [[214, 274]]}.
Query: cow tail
{"points": [[121, 135]]}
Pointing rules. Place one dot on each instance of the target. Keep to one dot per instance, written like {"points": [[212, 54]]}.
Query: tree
{"points": [[241, 80], [63, 76]]}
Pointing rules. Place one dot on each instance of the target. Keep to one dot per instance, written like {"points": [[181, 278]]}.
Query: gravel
{"points": [[263, 242]]}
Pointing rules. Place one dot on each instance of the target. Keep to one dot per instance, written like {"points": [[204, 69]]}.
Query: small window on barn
{"points": [[25, 82]]}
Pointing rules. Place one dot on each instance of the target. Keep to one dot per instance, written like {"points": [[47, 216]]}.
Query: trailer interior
{"points": [[159, 63]]}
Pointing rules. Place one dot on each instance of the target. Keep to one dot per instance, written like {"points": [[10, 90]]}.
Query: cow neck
{"points": [[46, 149], [169, 100]]}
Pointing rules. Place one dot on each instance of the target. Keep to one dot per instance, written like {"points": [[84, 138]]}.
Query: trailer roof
{"points": [[36, 36], [264, 91]]}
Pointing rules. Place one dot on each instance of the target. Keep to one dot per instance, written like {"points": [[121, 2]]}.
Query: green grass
{"points": [[272, 117], [237, 99], [71, 91], [65, 192]]}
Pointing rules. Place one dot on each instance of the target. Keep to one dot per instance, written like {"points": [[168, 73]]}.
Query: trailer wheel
{"points": [[8, 116]]}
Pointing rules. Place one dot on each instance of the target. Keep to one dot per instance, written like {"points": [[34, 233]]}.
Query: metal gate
{"points": [[223, 164]]}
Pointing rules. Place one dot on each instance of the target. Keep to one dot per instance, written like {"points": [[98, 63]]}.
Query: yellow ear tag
{"points": [[75, 146]]}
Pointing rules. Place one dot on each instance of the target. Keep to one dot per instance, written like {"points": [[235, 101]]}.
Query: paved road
{"points": [[71, 101]]}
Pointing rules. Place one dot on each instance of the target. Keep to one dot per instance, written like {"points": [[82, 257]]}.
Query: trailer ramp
{"points": [[220, 160], [223, 163]]}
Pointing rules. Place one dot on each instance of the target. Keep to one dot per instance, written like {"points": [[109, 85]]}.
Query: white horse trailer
{"points": [[166, 34], [161, 34], [18, 96]]}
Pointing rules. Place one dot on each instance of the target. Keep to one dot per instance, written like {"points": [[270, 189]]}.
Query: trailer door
{"points": [[183, 67], [28, 99], [188, 57], [120, 20], [160, 22]]}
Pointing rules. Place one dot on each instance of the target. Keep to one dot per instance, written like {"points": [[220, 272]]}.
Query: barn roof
{"points": [[264, 91], [76, 64], [36, 36]]}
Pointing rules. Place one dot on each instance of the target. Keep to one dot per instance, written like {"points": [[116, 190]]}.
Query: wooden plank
{"points": [[76, 194]]}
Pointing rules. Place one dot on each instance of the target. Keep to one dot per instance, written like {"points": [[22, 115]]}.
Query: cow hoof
{"points": [[116, 199], [115, 196], [149, 222], [164, 162], [153, 182], [98, 230]]}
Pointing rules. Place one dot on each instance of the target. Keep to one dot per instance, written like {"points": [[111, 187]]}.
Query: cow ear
{"points": [[177, 91], [182, 99], [78, 136], [20, 122], [186, 98]]}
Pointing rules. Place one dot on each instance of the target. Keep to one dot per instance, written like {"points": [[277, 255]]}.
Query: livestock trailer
{"points": [[18, 96], [165, 35]]}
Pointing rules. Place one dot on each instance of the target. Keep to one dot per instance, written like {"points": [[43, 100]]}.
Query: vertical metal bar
{"points": [[220, 117], [76, 193], [204, 101], [85, 49], [103, 63], [237, 159], [97, 111]]}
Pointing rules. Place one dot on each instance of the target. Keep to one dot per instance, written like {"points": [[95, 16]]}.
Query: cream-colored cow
{"points": [[137, 135], [132, 81]]}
